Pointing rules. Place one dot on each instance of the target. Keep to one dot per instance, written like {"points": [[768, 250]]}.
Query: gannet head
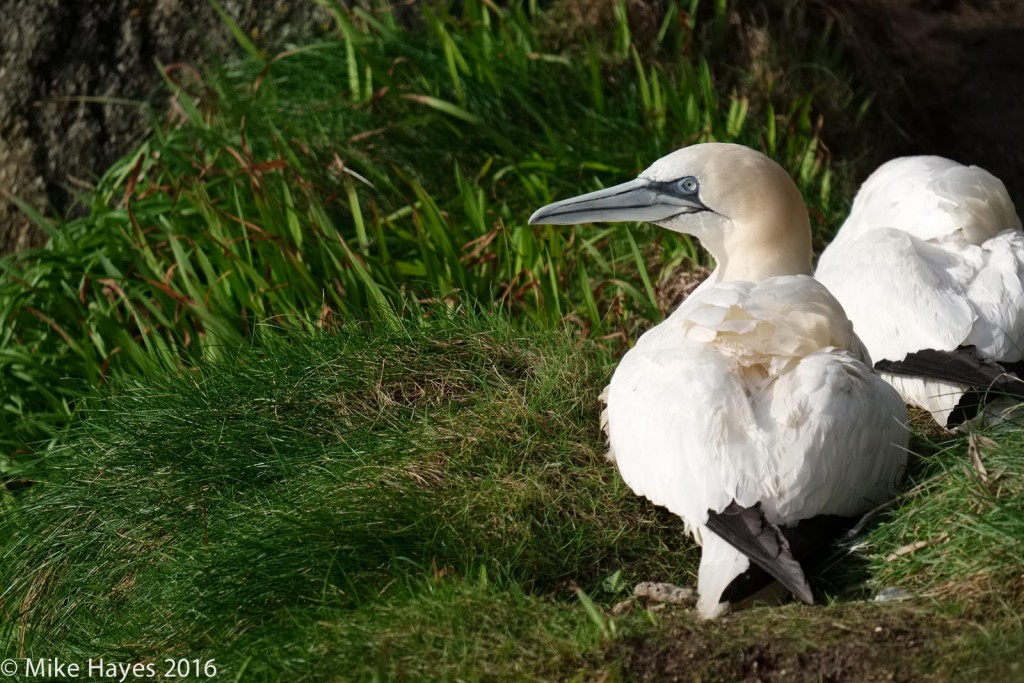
{"points": [[741, 205]]}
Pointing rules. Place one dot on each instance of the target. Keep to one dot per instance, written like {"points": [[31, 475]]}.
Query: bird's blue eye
{"points": [[689, 185]]}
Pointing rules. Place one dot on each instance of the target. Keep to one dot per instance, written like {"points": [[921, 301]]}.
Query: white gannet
{"points": [[930, 267], [753, 407]]}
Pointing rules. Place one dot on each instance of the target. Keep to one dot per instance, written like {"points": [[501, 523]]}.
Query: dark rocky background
{"points": [[58, 57], [950, 74], [984, 120], [950, 78]]}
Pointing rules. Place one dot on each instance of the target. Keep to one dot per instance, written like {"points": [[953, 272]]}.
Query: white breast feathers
{"points": [[756, 393]]}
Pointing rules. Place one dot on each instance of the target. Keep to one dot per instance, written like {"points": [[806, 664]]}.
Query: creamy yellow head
{"points": [[756, 222], [741, 205]]}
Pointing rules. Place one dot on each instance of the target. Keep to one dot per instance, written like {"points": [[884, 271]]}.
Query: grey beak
{"points": [[637, 200]]}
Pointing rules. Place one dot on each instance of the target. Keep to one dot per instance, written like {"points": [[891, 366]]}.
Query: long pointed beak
{"points": [[637, 200]]}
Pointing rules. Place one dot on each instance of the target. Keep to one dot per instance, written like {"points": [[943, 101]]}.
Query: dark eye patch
{"points": [[685, 188]]}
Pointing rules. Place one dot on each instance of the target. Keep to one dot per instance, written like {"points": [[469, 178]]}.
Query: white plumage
{"points": [[931, 257], [755, 390]]}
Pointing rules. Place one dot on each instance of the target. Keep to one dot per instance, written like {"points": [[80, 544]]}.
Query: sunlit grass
{"points": [[369, 174], [959, 531]]}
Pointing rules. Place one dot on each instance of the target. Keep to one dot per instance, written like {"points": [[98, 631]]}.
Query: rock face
{"points": [[984, 123], [76, 75], [949, 75]]}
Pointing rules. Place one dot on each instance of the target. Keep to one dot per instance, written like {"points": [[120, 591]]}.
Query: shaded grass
{"points": [[343, 478], [454, 628]]}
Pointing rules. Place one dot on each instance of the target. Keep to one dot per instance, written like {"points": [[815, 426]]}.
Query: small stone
{"points": [[664, 592]]}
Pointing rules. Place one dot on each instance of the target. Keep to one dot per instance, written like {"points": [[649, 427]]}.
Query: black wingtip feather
{"points": [[963, 366], [782, 553], [987, 379], [747, 530]]}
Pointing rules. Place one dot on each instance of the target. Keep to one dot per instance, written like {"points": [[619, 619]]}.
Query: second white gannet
{"points": [[930, 267], [752, 411]]}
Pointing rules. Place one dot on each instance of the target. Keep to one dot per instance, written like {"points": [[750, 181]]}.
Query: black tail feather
{"points": [[780, 553], [1014, 368]]}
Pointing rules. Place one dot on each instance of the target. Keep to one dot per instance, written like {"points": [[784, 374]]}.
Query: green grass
{"points": [[374, 172], [302, 392], [320, 490], [424, 501], [968, 521]]}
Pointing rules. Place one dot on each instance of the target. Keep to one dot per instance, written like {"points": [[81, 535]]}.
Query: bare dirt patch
{"points": [[853, 642]]}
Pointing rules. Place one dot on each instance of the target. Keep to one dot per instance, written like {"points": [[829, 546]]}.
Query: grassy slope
{"points": [[424, 501], [363, 493], [417, 498]]}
